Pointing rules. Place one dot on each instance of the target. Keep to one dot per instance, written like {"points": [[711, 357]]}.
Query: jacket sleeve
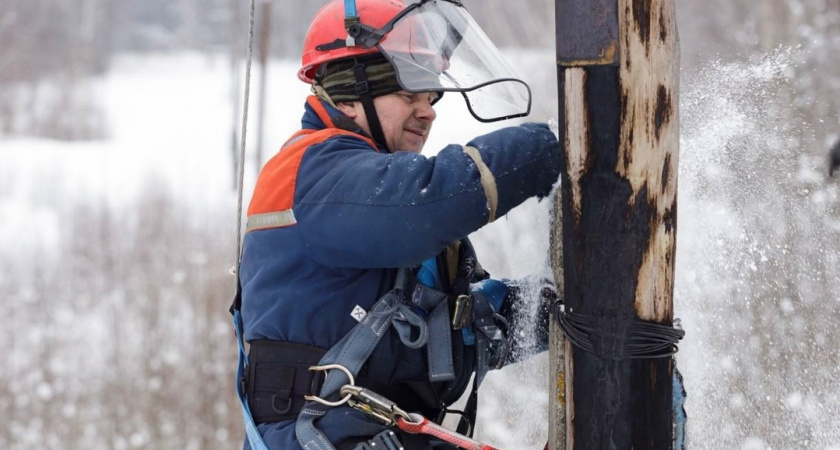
{"points": [[360, 209]]}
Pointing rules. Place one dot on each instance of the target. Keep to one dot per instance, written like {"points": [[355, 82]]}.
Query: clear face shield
{"points": [[435, 45]]}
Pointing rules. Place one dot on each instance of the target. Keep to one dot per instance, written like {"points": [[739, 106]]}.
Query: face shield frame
{"points": [[507, 86]]}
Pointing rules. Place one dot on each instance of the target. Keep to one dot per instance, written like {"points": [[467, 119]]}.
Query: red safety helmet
{"points": [[434, 46], [328, 27]]}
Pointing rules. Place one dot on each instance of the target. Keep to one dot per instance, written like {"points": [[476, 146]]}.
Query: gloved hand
{"points": [[522, 293], [495, 291], [528, 287], [552, 145], [540, 135]]}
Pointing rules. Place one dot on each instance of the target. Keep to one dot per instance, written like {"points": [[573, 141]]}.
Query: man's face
{"points": [[406, 118]]}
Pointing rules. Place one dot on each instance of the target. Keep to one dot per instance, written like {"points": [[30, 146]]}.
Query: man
{"points": [[356, 254]]}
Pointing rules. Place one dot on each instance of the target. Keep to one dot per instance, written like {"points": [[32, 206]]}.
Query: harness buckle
{"points": [[462, 312], [345, 398], [283, 409], [362, 87]]}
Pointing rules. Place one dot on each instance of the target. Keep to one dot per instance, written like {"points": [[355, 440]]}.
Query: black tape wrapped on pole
{"points": [[618, 83]]}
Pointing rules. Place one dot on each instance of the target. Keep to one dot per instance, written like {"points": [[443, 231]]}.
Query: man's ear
{"points": [[348, 109]]}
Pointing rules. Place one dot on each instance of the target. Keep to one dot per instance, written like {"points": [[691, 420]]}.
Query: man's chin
{"points": [[414, 145]]}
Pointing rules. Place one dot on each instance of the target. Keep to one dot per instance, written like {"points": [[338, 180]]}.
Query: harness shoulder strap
{"points": [[351, 352]]}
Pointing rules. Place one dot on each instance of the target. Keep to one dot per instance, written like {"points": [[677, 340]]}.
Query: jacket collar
{"points": [[320, 115]]}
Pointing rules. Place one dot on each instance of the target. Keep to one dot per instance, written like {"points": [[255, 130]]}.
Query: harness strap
{"points": [[488, 338], [279, 378], [354, 349], [363, 91], [385, 440], [439, 346], [481, 332]]}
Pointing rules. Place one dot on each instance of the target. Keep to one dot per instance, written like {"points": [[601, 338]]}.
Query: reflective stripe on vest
{"points": [[270, 220]]}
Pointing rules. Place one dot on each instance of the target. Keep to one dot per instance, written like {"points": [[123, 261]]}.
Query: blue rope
{"points": [[254, 438], [679, 410]]}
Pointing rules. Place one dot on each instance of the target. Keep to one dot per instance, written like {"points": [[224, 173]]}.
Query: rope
{"points": [[240, 176], [255, 440], [421, 425]]}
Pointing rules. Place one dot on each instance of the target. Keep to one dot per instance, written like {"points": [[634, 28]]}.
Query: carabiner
{"points": [[374, 404]]}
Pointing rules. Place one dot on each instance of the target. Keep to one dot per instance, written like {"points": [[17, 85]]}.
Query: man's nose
{"points": [[426, 112]]}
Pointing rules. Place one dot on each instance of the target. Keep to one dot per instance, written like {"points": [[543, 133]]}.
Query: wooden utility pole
{"points": [[618, 75]]}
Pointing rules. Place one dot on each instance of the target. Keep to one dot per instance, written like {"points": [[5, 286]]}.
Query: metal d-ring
{"points": [[320, 400]]}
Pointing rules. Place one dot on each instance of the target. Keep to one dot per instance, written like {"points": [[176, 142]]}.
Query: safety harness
{"points": [[280, 381]]}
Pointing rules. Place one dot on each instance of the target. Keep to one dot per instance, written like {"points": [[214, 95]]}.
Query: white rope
{"points": [[240, 181]]}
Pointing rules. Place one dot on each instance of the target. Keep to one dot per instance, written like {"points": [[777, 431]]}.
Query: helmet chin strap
{"points": [[350, 10], [363, 91]]}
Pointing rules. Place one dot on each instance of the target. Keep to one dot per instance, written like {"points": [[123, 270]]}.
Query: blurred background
{"points": [[119, 122]]}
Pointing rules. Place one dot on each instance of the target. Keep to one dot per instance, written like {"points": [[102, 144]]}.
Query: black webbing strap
{"points": [[465, 274], [363, 91], [465, 425], [278, 378]]}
